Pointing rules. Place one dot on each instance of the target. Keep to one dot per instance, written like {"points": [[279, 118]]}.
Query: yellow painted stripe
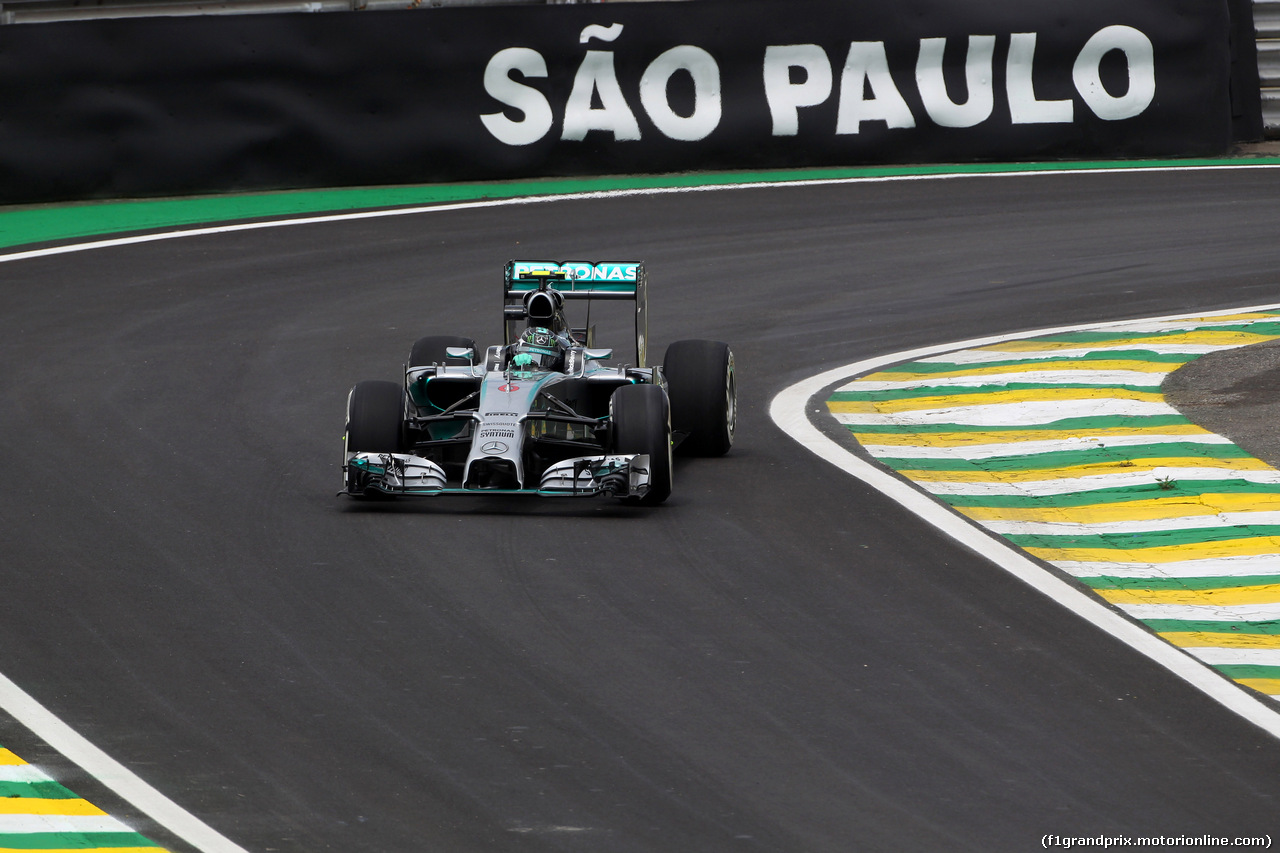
{"points": [[1252, 547], [965, 439], [993, 398], [1264, 594], [1204, 338], [1250, 315], [7, 757], [36, 805], [1137, 466], [1157, 508], [1025, 367], [1201, 639], [1269, 686]]}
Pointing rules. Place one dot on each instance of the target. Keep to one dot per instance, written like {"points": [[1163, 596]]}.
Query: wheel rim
{"points": [[730, 401]]}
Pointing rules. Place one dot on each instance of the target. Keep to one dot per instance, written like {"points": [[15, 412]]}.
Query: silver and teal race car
{"points": [[547, 412]]}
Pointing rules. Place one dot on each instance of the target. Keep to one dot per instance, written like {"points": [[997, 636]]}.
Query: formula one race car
{"points": [[542, 414]]}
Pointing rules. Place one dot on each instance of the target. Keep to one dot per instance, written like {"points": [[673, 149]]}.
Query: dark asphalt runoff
{"points": [[777, 659]]}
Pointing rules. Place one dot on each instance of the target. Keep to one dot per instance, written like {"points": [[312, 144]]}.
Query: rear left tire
{"points": [[704, 395]]}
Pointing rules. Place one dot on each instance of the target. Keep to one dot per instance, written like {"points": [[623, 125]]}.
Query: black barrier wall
{"points": [[193, 105]]}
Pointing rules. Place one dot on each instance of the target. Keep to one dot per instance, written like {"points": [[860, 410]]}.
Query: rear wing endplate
{"points": [[584, 280]]}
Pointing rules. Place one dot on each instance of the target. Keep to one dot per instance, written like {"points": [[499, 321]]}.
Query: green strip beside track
{"points": [[74, 841], [1191, 584], [1083, 426], [1178, 626], [1138, 356], [52, 223], [1099, 456]]}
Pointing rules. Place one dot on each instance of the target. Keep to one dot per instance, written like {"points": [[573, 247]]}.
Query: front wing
{"points": [[404, 475]]}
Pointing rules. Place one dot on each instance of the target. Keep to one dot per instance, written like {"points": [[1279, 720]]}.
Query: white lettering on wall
{"points": [[702, 68], [528, 100], [867, 68], [1140, 56], [1024, 106], [785, 97], [942, 110], [799, 77]]}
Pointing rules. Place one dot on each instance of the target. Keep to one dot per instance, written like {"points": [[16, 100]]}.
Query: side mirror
{"points": [[460, 352], [598, 354]]}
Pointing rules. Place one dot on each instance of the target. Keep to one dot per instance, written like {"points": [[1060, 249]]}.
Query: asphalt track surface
{"points": [[777, 659]]}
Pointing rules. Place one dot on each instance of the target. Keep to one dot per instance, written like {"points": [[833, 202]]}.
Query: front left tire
{"points": [[375, 413], [642, 424]]}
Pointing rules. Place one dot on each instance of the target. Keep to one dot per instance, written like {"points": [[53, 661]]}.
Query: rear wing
{"points": [[578, 280]]}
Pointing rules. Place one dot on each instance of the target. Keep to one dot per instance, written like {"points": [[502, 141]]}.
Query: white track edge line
{"points": [[596, 194], [789, 409], [75, 747]]}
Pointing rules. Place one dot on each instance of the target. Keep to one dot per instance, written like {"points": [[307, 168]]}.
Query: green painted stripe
{"points": [[43, 223], [1081, 425], [1066, 458], [1138, 541], [963, 390], [1122, 494], [73, 841], [40, 790], [1242, 670], [1138, 355], [1170, 626], [1199, 584]]}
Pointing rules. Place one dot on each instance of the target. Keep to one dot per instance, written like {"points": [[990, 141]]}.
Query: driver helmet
{"points": [[538, 349]]}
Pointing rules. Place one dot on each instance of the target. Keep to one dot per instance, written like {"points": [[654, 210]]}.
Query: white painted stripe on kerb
{"points": [[970, 357], [1220, 567], [1034, 448], [1192, 325], [791, 410], [1242, 520], [24, 773], [1099, 378], [1236, 657], [22, 824], [1013, 414], [1204, 612], [1143, 476]]}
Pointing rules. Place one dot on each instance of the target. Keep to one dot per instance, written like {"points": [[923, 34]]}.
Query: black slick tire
{"points": [[642, 424], [704, 395], [375, 412]]}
